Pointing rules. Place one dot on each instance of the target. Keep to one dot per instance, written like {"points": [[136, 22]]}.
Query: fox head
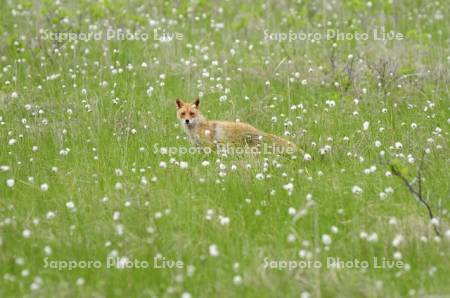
{"points": [[188, 113]]}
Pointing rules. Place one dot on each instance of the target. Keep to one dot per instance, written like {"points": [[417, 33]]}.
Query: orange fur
{"points": [[211, 132]]}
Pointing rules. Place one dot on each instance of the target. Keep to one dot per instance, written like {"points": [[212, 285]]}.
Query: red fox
{"points": [[202, 132]]}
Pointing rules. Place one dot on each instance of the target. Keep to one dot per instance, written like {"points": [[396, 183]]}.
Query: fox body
{"points": [[213, 133]]}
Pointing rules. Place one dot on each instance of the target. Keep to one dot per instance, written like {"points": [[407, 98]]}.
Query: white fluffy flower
{"points": [[447, 233], [213, 250], [435, 221], [237, 280], [356, 190], [26, 233], [397, 240], [224, 221], [398, 145], [44, 187], [289, 187], [326, 239], [366, 125], [10, 182]]}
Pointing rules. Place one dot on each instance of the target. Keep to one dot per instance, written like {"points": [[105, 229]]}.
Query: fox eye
{"points": [[183, 113], [192, 114]]}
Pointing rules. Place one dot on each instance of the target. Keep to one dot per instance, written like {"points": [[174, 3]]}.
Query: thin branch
{"points": [[417, 194], [419, 173]]}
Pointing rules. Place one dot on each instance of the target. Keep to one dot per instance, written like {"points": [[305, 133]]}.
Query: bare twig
{"points": [[349, 69], [417, 193]]}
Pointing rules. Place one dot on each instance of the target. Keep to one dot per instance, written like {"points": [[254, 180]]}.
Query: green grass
{"points": [[97, 140]]}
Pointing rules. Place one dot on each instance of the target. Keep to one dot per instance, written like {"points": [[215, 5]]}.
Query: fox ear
{"points": [[196, 103], [180, 103]]}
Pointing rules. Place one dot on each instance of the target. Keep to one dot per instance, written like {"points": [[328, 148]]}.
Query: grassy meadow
{"points": [[88, 130]]}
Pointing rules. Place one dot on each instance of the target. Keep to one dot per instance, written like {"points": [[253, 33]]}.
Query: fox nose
{"points": [[187, 121]]}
